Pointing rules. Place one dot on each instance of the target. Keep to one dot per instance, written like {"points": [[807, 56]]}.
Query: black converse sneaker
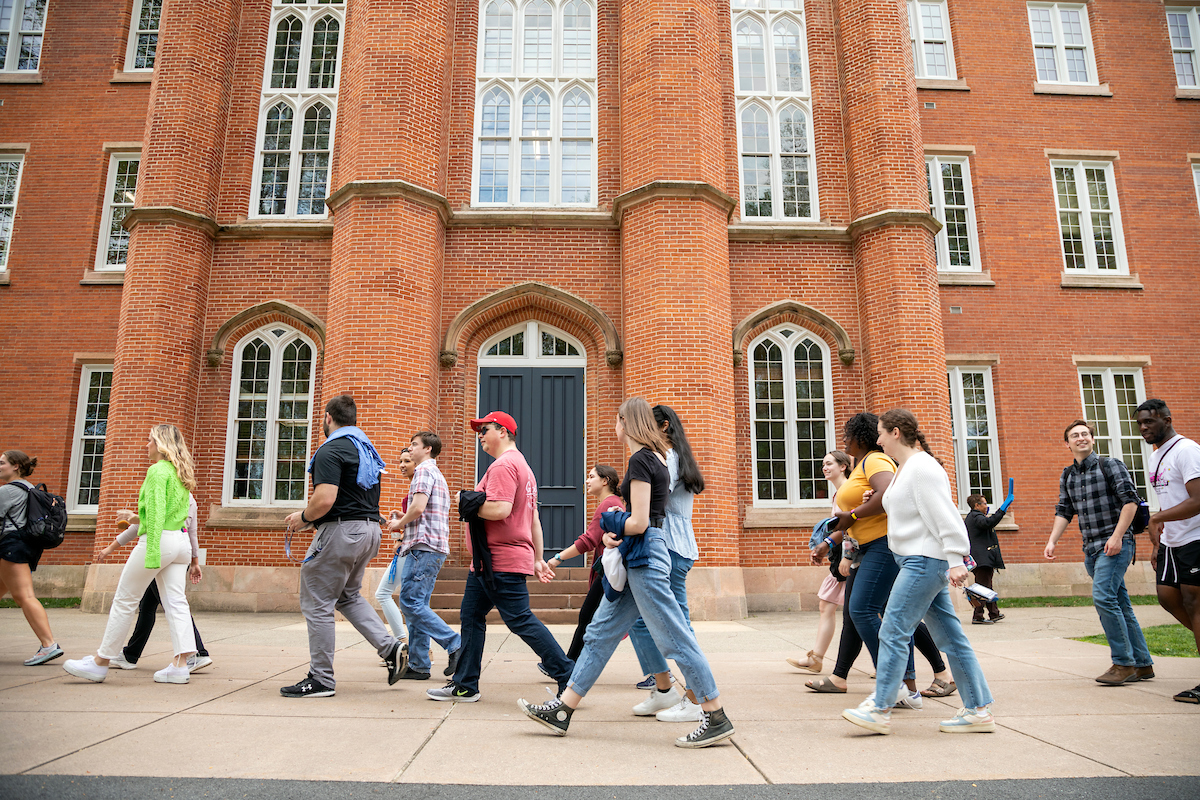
{"points": [[309, 687], [714, 727], [554, 714]]}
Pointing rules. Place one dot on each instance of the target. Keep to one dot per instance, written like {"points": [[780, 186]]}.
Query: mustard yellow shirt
{"points": [[849, 497]]}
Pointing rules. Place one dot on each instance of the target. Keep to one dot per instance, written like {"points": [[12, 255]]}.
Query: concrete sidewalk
{"points": [[230, 721]]}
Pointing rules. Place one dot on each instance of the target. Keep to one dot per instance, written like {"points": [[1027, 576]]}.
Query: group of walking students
{"points": [[895, 541]]}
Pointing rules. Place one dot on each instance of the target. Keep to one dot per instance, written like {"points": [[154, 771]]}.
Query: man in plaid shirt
{"points": [[1101, 492], [426, 526]]}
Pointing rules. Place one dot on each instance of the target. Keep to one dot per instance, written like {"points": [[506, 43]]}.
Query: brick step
{"points": [[562, 573], [538, 602], [549, 616], [535, 587]]}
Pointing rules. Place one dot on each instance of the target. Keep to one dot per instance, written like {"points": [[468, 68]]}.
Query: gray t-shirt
{"points": [[12, 505]]}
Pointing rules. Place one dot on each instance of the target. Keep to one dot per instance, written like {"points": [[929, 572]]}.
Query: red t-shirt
{"points": [[510, 480]]}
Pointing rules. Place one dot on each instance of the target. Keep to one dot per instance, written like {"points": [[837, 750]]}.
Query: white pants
{"points": [[176, 552]]}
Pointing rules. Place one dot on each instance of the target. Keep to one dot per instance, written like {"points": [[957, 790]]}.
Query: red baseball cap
{"points": [[498, 417]]}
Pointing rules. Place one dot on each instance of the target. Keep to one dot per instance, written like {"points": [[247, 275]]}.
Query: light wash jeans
{"points": [[383, 595], [648, 595], [652, 661], [175, 554], [421, 569], [920, 591], [1121, 628]]}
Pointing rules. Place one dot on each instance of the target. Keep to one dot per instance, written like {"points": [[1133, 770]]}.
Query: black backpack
{"points": [[45, 517]]}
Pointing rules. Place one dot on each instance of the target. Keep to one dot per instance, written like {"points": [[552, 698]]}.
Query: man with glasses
{"points": [[1175, 529], [1101, 492], [513, 539]]}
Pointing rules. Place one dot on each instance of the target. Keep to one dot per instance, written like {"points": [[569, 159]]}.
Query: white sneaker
{"points": [[870, 716], [683, 711], [120, 663], [86, 668], [657, 701], [196, 663], [171, 674], [913, 701]]}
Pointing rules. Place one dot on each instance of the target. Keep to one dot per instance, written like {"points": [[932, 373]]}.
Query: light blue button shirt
{"points": [[677, 529]]}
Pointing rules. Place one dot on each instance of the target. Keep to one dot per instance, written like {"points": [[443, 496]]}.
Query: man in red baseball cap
{"points": [[514, 542]]}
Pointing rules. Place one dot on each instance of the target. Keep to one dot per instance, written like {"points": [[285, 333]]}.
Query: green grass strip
{"points": [[1163, 640], [48, 602], [1070, 601]]}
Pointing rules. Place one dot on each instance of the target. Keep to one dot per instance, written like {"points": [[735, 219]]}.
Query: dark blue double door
{"points": [[548, 405]]}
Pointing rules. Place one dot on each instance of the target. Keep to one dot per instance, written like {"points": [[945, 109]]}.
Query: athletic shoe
{"points": [[120, 663], [86, 668], [647, 682], [172, 674], [912, 701], [870, 716], [452, 665], [411, 674], [309, 687], [453, 692], [554, 714], [397, 662], [968, 720], [683, 711], [195, 663], [714, 727], [542, 669], [657, 701], [43, 655]]}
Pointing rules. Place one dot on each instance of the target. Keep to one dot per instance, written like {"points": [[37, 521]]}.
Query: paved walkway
{"points": [[230, 721]]}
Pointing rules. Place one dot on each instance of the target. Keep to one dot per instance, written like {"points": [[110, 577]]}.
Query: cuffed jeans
{"points": [[510, 596], [421, 569], [920, 590], [648, 595], [1121, 628], [175, 553], [331, 578], [383, 595], [650, 659], [872, 586]]}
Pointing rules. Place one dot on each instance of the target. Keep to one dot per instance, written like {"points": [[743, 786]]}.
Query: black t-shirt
{"points": [[336, 462], [644, 465]]}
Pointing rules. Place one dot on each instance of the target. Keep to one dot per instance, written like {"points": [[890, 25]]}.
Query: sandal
{"points": [[811, 663], [824, 686], [1188, 696], [940, 688]]}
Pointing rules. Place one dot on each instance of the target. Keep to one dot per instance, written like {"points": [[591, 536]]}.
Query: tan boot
{"points": [[1118, 675], [811, 663]]}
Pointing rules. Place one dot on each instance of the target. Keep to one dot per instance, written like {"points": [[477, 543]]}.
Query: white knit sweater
{"points": [[922, 518]]}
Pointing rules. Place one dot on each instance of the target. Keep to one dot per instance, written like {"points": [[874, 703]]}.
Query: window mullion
{"points": [[271, 445], [791, 452], [1079, 174], [1060, 44]]}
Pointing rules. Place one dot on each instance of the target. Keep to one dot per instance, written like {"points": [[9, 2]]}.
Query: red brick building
{"points": [[769, 214]]}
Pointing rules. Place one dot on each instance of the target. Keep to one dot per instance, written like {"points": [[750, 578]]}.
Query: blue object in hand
{"points": [[1008, 500]]}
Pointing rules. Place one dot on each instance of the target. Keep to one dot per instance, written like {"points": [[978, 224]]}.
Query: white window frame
{"points": [[788, 346], [85, 379], [1113, 418], [1091, 265], [131, 49], [915, 35], [1060, 47], [110, 186], [533, 330], [1193, 53], [278, 345], [933, 166], [300, 98], [13, 53], [958, 415], [20, 161], [1196, 181], [516, 83]]}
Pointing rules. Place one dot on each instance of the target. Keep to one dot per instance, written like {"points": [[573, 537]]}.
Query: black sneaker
{"points": [[714, 727], [397, 662], [555, 714], [309, 687], [542, 669], [453, 664], [413, 675], [452, 691]]}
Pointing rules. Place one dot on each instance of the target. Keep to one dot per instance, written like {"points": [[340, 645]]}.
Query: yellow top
{"points": [[849, 497]]}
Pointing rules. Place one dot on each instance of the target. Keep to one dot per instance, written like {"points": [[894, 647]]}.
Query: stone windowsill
{"points": [[244, 518], [83, 523], [1083, 90], [1072, 280], [787, 231], [259, 228], [107, 277], [132, 77], [533, 218], [943, 84], [20, 77], [4, 277], [784, 517], [982, 278], [1187, 92]]}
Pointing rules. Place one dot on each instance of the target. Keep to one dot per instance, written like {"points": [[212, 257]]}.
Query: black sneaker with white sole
{"points": [[452, 692], [309, 687], [453, 663], [714, 727], [397, 662], [555, 715], [411, 674]]}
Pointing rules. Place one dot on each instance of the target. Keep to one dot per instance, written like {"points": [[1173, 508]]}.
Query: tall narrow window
{"points": [[547, 152], [973, 427], [1089, 219], [143, 35], [22, 26], [751, 56], [10, 183], [949, 179], [118, 200], [1062, 43], [1110, 400], [791, 413], [269, 418], [756, 162], [1196, 181], [1183, 26], [87, 449], [299, 109], [929, 33]]}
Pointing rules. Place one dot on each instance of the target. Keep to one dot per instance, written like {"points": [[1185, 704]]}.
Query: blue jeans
{"points": [[416, 587], [383, 595], [1121, 628], [511, 598], [651, 660], [920, 591], [872, 586], [648, 595]]}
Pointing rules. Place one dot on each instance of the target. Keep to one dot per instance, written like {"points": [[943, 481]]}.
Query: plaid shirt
{"points": [[1083, 490], [432, 528]]}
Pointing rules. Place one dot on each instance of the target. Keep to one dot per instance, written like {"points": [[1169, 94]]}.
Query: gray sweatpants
{"points": [[331, 579]]}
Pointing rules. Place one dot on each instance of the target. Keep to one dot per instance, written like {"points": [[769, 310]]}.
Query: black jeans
{"points": [[586, 611], [984, 576], [147, 611]]}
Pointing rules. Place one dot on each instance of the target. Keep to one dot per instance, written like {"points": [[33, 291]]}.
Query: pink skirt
{"points": [[832, 590]]}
